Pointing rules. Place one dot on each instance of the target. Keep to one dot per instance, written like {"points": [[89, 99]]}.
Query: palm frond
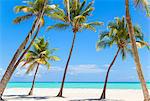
{"points": [[48, 65], [29, 3], [129, 50], [74, 4], [31, 67], [22, 18], [82, 5], [56, 16], [101, 44], [141, 44], [53, 50], [22, 8], [87, 12], [79, 18], [104, 34], [89, 5], [146, 5], [138, 33], [54, 58], [95, 23], [58, 26], [123, 53], [89, 27]]}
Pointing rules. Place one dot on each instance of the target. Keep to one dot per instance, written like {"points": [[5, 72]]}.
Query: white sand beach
{"points": [[48, 94]]}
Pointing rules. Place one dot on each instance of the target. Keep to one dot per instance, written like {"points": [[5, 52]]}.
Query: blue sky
{"points": [[86, 63]]}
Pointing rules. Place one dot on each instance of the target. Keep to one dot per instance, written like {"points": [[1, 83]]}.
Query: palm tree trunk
{"points": [[103, 95], [17, 63], [33, 82], [66, 68], [135, 54], [10, 69], [19, 60]]}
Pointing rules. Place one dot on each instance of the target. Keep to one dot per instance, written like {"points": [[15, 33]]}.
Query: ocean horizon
{"points": [[93, 85]]}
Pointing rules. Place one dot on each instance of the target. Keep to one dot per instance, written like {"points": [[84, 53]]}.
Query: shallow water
{"points": [[111, 85]]}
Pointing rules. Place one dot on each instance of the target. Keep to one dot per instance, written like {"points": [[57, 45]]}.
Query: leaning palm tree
{"points": [[145, 4], [75, 17], [118, 35], [39, 55], [37, 9]]}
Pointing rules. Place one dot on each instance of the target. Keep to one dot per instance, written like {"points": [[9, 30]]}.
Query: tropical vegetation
{"points": [[37, 9], [145, 4], [75, 14], [39, 55], [118, 36]]}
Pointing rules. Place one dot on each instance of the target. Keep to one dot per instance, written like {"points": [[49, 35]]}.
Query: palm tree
{"points": [[134, 47], [118, 35], [76, 17], [38, 9], [39, 55]]}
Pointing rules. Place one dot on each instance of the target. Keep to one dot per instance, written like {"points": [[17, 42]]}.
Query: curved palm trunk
{"points": [[66, 68], [10, 69], [103, 95], [17, 63], [6, 77], [19, 60], [135, 53], [33, 82]]}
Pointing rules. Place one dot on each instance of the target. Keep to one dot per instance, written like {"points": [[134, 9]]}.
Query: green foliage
{"points": [[32, 8], [58, 26], [145, 4], [22, 18], [75, 14], [118, 35], [40, 54]]}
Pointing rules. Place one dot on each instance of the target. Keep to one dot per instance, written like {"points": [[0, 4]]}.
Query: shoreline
{"points": [[72, 94]]}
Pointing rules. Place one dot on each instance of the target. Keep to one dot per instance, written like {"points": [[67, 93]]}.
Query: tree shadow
{"points": [[95, 100], [26, 97]]}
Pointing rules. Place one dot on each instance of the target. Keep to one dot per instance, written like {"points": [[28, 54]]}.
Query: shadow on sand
{"points": [[26, 97], [95, 100]]}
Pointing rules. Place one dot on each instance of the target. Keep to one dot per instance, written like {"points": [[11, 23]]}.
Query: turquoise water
{"points": [[112, 85]]}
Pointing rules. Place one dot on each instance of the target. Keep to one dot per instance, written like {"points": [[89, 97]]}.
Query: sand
{"points": [[47, 94]]}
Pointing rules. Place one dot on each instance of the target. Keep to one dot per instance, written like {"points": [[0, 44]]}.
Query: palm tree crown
{"points": [[118, 35], [76, 16], [39, 55], [32, 9]]}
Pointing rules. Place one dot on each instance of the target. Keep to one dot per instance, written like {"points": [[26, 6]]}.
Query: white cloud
{"points": [[88, 68], [21, 71], [83, 68], [72, 70]]}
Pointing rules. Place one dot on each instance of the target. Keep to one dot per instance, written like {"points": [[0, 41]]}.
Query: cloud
{"points": [[21, 71], [87, 68], [78, 69], [72, 70]]}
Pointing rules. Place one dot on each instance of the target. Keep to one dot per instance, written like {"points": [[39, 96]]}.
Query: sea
{"points": [[93, 85]]}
